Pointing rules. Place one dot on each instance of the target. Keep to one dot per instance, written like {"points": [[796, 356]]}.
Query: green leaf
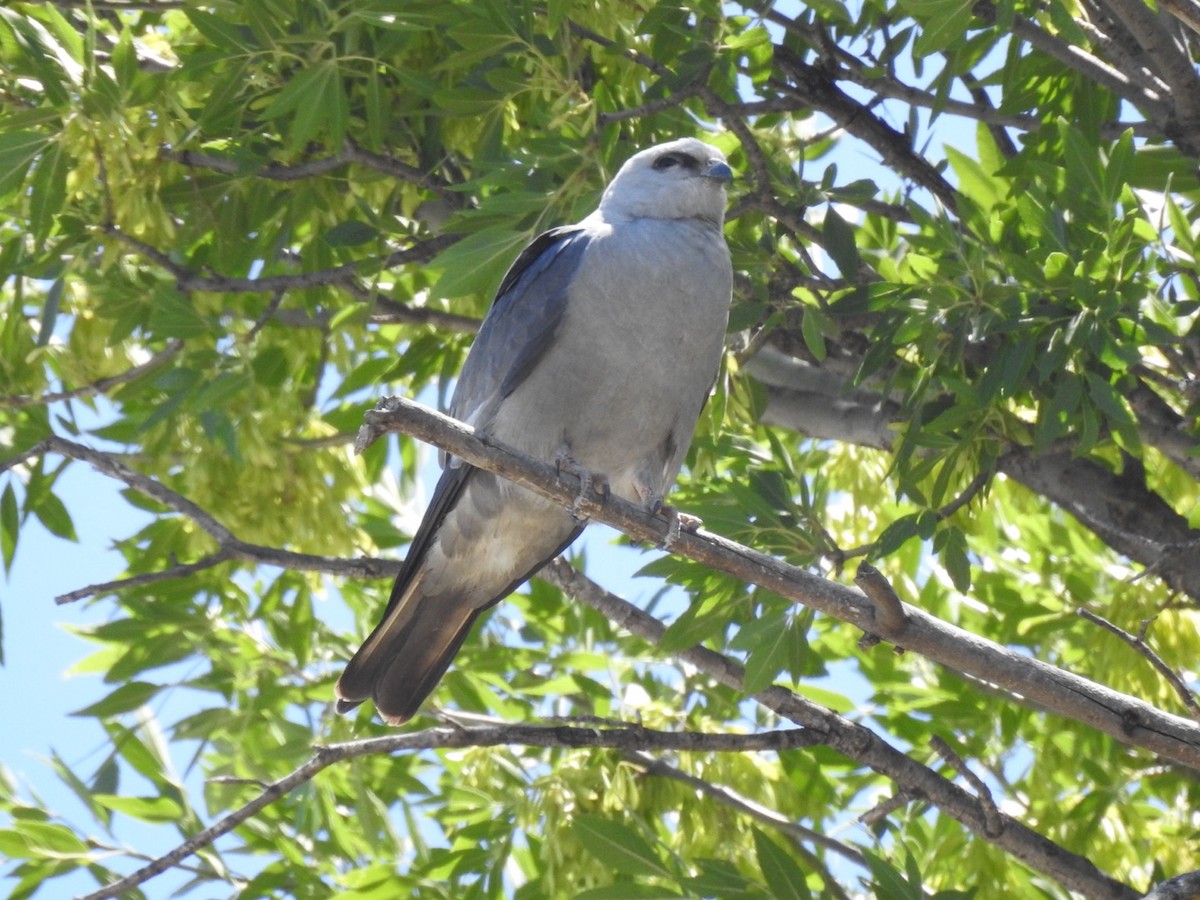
{"points": [[814, 337], [350, 234], [53, 514], [783, 876], [124, 699], [890, 884], [475, 264], [316, 100], [222, 33], [51, 840], [618, 846], [627, 891], [768, 640], [18, 150], [951, 546], [837, 237], [50, 309], [145, 809], [10, 525], [943, 22], [974, 181], [48, 190]]}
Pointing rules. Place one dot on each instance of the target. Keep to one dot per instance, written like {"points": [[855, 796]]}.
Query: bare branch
{"points": [[994, 822], [230, 547], [350, 153], [1186, 11], [100, 385], [855, 742], [1138, 643], [189, 280], [628, 738], [1181, 887], [1181, 121], [1129, 517], [1128, 719], [818, 88], [180, 571]]}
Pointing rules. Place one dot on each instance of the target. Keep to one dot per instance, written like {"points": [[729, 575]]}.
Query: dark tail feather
{"points": [[403, 659]]}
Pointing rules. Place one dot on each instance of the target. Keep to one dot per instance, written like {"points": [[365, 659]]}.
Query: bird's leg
{"points": [[677, 522], [588, 480]]}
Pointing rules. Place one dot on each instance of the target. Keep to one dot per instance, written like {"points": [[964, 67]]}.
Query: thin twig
{"points": [[628, 738], [229, 546], [852, 740], [751, 808], [1138, 643], [100, 385], [885, 808], [994, 822], [188, 280]]}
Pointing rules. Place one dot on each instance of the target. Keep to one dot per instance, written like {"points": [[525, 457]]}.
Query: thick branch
{"points": [[1147, 26], [1125, 718], [629, 738], [1120, 509]]}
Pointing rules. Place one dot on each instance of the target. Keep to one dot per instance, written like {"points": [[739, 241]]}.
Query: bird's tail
{"points": [[405, 657]]}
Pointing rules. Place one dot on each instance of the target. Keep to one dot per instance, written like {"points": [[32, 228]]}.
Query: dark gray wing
{"points": [[521, 323]]}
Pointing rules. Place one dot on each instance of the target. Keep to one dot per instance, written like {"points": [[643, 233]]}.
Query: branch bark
{"points": [[859, 744], [1125, 718], [628, 738], [1119, 507], [229, 546]]}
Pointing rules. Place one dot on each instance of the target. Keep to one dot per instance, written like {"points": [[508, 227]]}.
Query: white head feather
{"points": [[683, 179]]}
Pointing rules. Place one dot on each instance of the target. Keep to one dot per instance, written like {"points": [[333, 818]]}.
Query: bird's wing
{"points": [[520, 326]]}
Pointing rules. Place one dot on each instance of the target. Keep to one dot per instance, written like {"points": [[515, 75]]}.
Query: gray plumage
{"points": [[599, 350]]}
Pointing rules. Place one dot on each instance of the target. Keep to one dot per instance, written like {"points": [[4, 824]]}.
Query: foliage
{"points": [[963, 345]]}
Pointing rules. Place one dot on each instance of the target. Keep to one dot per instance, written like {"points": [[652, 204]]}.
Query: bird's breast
{"points": [[635, 353]]}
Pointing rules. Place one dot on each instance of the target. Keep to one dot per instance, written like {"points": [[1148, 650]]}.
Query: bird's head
{"points": [[683, 179]]}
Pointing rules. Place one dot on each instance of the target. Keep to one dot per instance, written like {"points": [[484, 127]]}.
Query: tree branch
{"points": [[350, 153], [1138, 643], [188, 280], [100, 385], [1125, 718], [818, 88], [229, 546], [1119, 508], [857, 743], [628, 738]]}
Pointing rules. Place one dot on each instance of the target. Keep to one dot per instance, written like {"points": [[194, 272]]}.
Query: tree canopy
{"points": [[963, 350]]}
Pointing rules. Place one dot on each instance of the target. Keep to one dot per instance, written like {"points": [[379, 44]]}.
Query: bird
{"points": [[598, 353]]}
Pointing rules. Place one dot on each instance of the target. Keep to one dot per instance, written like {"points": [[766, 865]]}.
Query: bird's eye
{"points": [[675, 159]]}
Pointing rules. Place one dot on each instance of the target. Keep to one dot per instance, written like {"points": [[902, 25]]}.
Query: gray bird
{"points": [[598, 353]]}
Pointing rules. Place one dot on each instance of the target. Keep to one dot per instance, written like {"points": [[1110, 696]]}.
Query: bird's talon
{"points": [[677, 522]]}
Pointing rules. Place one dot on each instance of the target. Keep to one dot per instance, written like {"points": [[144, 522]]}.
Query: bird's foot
{"points": [[589, 481], [677, 523]]}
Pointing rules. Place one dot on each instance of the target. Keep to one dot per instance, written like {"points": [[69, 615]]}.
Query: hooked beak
{"points": [[720, 171]]}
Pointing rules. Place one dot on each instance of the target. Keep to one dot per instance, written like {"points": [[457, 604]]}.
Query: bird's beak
{"points": [[719, 171]]}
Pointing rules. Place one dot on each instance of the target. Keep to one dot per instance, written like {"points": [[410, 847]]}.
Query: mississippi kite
{"points": [[598, 352]]}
